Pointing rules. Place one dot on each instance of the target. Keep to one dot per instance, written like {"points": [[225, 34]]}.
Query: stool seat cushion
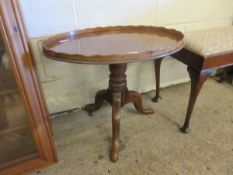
{"points": [[210, 42]]}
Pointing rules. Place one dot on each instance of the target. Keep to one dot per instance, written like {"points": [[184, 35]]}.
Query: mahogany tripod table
{"points": [[114, 46]]}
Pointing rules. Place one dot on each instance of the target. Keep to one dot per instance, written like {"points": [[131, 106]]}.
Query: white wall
{"points": [[45, 17], [66, 85]]}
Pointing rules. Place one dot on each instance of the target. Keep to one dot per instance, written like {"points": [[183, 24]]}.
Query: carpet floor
{"points": [[151, 145]]}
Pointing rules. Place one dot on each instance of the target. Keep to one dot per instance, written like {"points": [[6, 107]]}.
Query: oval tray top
{"points": [[113, 45]]}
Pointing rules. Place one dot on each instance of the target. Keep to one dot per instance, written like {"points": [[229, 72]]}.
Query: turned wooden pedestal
{"points": [[117, 95]]}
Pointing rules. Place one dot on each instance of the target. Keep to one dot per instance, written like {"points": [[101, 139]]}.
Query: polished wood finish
{"points": [[157, 65], [118, 95], [199, 68], [118, 83], [116, 109], [197, 80], [115, 46], [17, 47]]}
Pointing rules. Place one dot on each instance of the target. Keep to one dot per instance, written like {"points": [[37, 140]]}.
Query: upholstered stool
{"points": [[205, 51]]}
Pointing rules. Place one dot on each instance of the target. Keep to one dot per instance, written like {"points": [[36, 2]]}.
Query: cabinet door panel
{"points": [[26, 142], [16, 141]]}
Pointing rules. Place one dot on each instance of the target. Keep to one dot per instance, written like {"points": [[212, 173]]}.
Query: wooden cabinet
{"points": [[26, 142]]}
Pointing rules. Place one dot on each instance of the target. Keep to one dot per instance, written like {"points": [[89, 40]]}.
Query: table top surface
{"points": [[113, 45]]}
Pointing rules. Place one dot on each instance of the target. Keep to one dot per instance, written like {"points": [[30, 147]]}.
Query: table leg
{"points": [[116, 109], [99, 99], [118, 95], [118, 83], [136, 98]]}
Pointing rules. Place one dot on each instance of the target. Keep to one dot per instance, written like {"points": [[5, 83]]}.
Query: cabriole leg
{"points": [[197, 80], [116, 113], [136, 99], [157, 65], [99, 99]]}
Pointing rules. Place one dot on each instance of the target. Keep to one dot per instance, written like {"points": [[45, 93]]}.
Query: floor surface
{"points": [[151, 145]]}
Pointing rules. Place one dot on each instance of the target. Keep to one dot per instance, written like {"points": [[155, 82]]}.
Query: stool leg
{"points": [[116, 109], [157, 65], [223, 77], [197, 80]]}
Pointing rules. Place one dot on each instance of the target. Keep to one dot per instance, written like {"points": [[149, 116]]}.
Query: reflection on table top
{"points": [[111, 45]]}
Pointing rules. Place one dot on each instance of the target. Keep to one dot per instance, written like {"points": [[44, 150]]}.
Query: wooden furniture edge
{"points": [[109, 59], [44, 124]]}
